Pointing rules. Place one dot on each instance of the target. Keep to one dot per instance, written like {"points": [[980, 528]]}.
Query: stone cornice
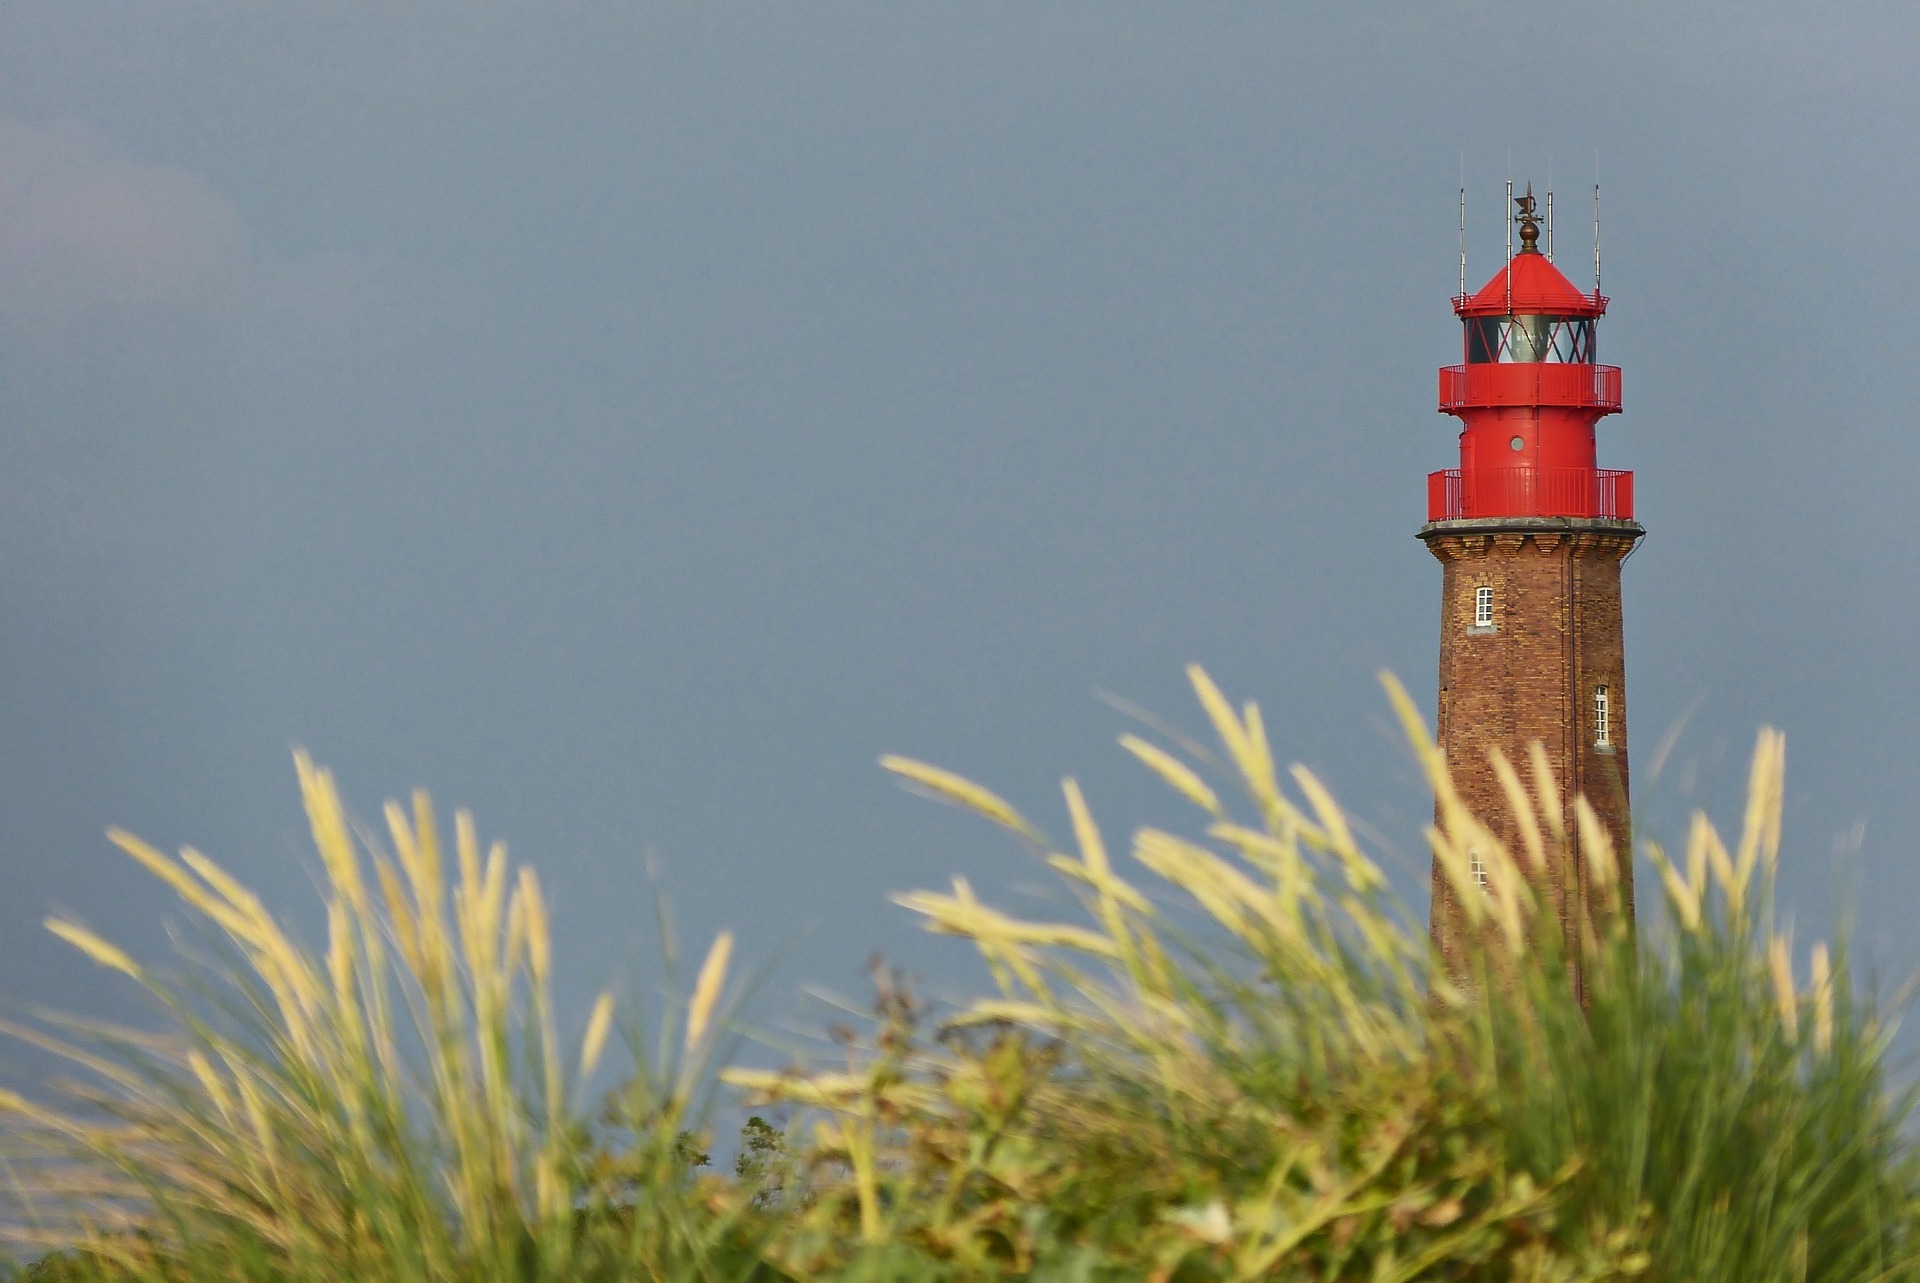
{"points": [[1580, 536], [1529, 525]]}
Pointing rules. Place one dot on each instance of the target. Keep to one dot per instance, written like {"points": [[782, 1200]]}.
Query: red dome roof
{"points": [[1530, 284]]}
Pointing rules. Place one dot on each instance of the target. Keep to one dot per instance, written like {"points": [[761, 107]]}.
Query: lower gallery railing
{"points": [[1529, 492]]}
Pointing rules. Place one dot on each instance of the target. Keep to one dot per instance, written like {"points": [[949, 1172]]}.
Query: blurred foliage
{"points": [[1237, 1060]]}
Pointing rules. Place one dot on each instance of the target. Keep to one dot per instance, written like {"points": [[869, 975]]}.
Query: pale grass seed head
{"points": [[961, 792], [260, 1112], [1780, 966], [1597, 846], [1822, 999], [1182, 778], [94, 947], [707, 989]]}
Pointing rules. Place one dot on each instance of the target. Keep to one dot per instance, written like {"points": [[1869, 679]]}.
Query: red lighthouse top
{"points": [[1528, 395], [1530, 283]]}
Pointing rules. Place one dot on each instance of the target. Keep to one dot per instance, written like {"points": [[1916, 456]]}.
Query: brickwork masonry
{"points": [[1535, 672]]}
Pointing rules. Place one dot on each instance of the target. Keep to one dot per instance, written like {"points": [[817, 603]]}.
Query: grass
{"points": [[1235, 1062]]}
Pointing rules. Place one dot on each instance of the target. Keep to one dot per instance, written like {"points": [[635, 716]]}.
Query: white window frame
{"points": [[1483, 606], [1602, 717], [1478, 867]]}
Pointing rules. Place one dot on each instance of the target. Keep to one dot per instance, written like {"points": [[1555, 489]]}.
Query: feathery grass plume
{"points": [[398, 1108], [1183, 778], [93, 946], [594, 1043], [1225, 1064], [706, 990], [1780, 966], [1278, 1097], [1686, 1091], [1522, 809], [1822, 999], [961, 792], [1263, 1103]]}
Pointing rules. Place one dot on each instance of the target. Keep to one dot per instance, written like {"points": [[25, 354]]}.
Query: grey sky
{"points": [[631, 420]]}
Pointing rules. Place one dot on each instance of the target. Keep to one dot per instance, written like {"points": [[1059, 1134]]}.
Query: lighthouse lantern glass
{"points": [[1561, 340]]}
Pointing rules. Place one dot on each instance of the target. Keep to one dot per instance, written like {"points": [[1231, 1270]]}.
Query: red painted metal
{"points": [[1464, 387], [1456, 494], [1527, 427], [1530, 285]]}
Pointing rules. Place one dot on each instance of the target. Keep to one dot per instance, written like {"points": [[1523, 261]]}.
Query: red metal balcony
{"points": [[1466, 387], [1530, 492]]}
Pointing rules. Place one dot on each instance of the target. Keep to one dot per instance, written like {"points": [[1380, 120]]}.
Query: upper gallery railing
{"points": [[1465, 387]]}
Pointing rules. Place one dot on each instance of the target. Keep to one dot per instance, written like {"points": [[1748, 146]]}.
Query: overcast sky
{"points": [[631, 420]]}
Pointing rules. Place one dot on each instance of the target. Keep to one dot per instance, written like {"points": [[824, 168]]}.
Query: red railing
{"points": [[1465, 387], [1529, 492]]}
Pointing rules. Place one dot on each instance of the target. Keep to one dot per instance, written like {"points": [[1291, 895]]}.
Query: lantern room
{"points": [[1528, 393]]}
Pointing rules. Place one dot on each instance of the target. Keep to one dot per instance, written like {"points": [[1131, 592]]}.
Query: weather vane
{"points": [[1529, 219]]}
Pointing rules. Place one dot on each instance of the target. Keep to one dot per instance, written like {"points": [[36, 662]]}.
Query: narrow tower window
{"points": [[1601, 722], [1483, 607], [1478, 867]]}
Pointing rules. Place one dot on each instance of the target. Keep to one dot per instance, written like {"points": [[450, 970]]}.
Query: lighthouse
{"points": [[1530, 533]]}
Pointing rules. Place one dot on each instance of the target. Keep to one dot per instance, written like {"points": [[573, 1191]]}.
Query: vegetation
{"points": [[1235, 1063]]}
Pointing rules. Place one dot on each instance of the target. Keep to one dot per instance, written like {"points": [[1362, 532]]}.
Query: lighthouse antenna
{"points": [[1596, 235], [1549, 207], [1463, 240], [1510, 233]]}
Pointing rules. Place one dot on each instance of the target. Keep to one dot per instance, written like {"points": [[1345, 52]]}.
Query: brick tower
{"points": [[1531, 535]]}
